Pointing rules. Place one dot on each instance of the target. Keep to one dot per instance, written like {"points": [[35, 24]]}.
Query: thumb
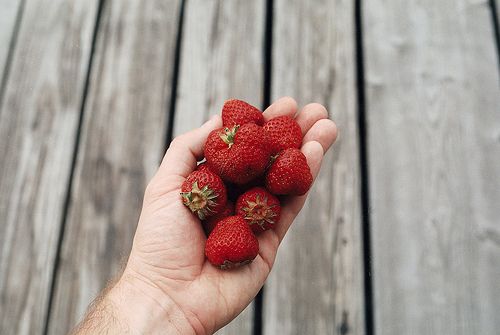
{"points": [[186, 149]]}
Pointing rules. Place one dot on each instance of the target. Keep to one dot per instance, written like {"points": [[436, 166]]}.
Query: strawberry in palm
{"points": [[260, 209], [204, 193], [239, 154], [231, 244]]}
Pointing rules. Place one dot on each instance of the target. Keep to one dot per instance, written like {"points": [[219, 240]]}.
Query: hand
{"points": [[167, 278]]}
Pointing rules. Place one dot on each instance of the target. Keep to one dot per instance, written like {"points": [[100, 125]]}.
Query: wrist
{"points": [[144, 310]]}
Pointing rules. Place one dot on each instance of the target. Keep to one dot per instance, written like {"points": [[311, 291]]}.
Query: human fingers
{"points": [[323, 131], [282, 106], [270, 239], [317, 141], [309, 115], [291, 205]]}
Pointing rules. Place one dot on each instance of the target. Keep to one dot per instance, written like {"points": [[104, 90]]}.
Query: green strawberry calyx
{"points": [[259, 212], [228, 135], [200, 201]]}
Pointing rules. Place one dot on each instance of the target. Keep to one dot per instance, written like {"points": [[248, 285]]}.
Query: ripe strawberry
{"points": [[284, 132], [231, 244], [289, 173], [237, 112], [202, 166], [204, 193], [209, 223], [239, 154], [259, 208]]}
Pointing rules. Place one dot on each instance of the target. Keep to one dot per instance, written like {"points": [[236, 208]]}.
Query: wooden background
{"points": [[401, 233]]}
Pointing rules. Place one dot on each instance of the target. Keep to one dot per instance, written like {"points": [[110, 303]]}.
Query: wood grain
{"points": [[9, 10], [222, 42], [221, 57], [38, 121], [316, 286], [123, 138], [434, 152]]}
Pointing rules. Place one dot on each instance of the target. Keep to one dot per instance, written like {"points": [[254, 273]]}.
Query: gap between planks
{"points": [[57, 258]]}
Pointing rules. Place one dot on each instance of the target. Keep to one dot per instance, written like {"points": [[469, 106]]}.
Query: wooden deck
{"points": [[401, 233]]}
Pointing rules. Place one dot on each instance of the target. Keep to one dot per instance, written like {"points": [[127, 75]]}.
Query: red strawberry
{"points": [[202, 166], [209, 223], [259, 208], [239, 154], [231, 243], [237, 113], [204, 193], [289, 173], [284, 132]]}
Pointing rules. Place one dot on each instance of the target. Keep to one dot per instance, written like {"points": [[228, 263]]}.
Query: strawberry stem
{"points": [[228, 135]]}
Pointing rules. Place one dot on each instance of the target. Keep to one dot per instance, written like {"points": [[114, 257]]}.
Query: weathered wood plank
{"points": [[434, 132], [38, 122], [316, 286], [122, 142], [9, 10], [222, 41]]}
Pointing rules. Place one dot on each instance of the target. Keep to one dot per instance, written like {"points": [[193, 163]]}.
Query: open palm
{"points": [[168, 249]]}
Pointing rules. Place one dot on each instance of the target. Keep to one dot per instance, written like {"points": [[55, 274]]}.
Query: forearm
{"points": [[101, 317], [126, 308]]}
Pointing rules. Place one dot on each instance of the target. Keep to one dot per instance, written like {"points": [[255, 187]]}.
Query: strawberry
{"points": [[289, 173], [204, 193], [237, 113], [231, 243], [210, 222], [239, 154], [284, 132], [259, 208], [202, 166]]}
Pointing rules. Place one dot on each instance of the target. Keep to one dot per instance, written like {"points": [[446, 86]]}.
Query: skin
{"points": [[168, 286]]}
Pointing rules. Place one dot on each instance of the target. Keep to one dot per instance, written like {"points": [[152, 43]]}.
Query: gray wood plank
{"points": [[316, 286], [9, 10], [38, 122], [222, 41], [123, 139], [434, 129]]}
